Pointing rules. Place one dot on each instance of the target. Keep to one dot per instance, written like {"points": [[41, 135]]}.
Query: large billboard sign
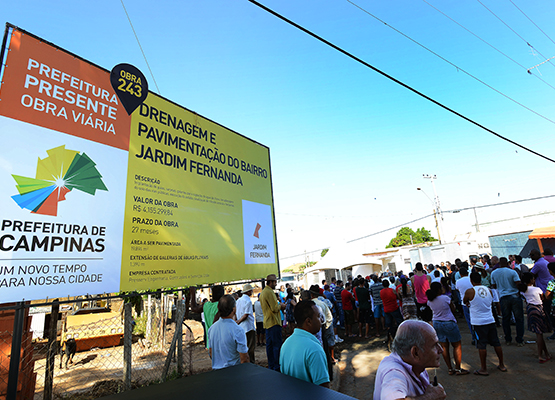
{"points": [[107, 188]]}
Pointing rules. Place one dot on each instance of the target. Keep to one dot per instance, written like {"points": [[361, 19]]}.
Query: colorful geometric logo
{"points": [[57, 174]]}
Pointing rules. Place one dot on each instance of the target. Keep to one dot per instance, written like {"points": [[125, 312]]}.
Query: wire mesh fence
{"points": [[5, 351], [91, 355]]}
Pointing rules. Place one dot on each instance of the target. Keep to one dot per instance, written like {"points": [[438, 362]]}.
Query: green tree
{"points": [[404, 235], [308, 265], [324, 252], [424, 235]]}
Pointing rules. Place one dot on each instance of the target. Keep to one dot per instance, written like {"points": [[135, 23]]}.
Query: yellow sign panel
{"points": [[198, 202]]}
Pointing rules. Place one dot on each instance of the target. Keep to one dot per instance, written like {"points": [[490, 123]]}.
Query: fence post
{"points": [[51, 353], [179, 333], [179, 320], [15, 356], [162, 321], [149, 319], [127, 342]]}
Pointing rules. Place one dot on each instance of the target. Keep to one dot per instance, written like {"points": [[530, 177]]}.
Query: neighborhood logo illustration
{"points": [[59, 173], [256, 235], [260, 245]]}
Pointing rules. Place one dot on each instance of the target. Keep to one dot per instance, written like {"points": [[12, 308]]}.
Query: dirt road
{"points": [[525, 378]]}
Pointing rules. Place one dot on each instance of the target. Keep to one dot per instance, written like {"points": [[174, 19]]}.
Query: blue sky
{"points": [[348, 146]]}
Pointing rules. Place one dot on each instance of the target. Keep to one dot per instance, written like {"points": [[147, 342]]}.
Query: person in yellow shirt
{"points": [[272, 321]]}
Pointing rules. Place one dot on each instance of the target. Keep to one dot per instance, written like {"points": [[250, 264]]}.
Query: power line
{"points": [[364, 237], [389, 229], [398, 81], [500, 204], [530, 19], [334, 216], [449, 62], [429, 215], [537, 65], [515, 32], [489, 44], [302, 254], [141, 47]]}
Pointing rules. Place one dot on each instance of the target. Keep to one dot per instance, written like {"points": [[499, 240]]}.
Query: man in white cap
{"points": [[245, 318]]}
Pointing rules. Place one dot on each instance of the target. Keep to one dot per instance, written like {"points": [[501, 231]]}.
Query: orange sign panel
{"points": [[55, 90]]}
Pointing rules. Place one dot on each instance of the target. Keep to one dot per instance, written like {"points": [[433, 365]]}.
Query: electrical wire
{"points": [[399, 82], [334, 216], [537, 65], [393, 227], [489, 44], [515, 32], [141, 47], [530, 19], [450, 63], [363, 237], [306, 252], [500, 204], [430, 215]]}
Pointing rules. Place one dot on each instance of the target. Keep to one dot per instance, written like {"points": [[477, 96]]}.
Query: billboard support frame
{"points": [[130, 294], [15, 356], [4, 42]]}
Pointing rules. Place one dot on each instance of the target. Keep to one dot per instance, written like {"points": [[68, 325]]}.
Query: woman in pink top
{"points": [[446, 327], [421, 283]]}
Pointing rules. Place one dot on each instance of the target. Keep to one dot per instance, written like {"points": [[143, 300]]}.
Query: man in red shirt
{"points": [[347, 304], [393, 316]]}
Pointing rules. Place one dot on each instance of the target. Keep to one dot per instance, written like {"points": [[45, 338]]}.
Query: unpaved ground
{"points": [[525, 379], [106, 365]]}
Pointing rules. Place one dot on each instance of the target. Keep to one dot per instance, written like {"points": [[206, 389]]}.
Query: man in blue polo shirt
{"points": [[228, 341], [302, 355]]}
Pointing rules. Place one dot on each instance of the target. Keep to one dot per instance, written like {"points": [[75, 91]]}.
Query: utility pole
{"points": [[437, 204], [435, 214]]}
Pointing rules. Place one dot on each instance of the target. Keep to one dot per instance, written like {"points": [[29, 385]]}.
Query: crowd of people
{"points": [[482, 291], [416, 315]]}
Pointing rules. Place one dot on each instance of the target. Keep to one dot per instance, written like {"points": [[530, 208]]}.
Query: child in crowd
{"points": [[290, 303], [538, 322], [259, 317]]}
